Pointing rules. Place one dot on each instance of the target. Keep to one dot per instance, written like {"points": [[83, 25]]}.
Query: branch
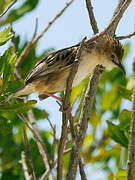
{"points": [[126, 36], [54, 139], [65, 114], [6, 10], [117, 15], [131, 147], [33, 41], [24, 167], [91, 16], [29, 153], [83, 124], [47, 172], [81, 166], [41, 147], [115, 19], [82, 172]]}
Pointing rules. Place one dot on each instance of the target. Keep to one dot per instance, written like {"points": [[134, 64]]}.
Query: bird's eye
{"points": [[112, 57]]}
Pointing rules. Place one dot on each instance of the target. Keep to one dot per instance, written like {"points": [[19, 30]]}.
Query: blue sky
{"points": [[69, 29]]}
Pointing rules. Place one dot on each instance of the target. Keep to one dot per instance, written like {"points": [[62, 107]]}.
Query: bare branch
{"points": [[52, 21], [81, 166], [6, 10], [131, 147], [29, 153], [65, 114], [40, 143], [83, 124], [39, 140], [47, 172], [35, 39], [117, 15], [114, 20], [24, 167], [54, 139], [13, 38], [82, 172], [126, 36], [91, 16], [36, 28]]}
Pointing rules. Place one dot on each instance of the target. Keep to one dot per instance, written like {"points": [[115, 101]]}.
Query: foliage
{"points": [[109, 124]]}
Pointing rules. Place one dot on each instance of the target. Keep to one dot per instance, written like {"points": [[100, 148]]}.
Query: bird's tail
{"points": [[25, 90]]}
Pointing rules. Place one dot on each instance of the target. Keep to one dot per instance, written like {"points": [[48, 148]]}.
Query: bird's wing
{"points": [[53, 62]]}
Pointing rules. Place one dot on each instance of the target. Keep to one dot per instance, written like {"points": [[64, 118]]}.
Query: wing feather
{"points": [[53, 62]]}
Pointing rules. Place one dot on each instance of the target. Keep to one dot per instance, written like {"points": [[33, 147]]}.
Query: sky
{"points": [[68, 30]]}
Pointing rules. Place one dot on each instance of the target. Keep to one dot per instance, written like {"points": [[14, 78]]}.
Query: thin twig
{"points": [[117, 15], [33, 41], [23, 54], [114, 20], [81, 166], [41, 147], [52, 21], [83, 124], [126, 36], [91, 16], [65, 114], [131, 147], [36, 28], [54, 139], [24, 167], [29, 153], [6, 10], [48, 171], [13, 38], [82, 172], [119, 5], [38, 138], [46, 174]]}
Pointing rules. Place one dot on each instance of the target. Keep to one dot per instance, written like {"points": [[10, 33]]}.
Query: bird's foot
{"points": [[100, 67], [63, 109], [60, 100], [55, 97]]}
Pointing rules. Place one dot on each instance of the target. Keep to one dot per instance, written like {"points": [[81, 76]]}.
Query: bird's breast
{"points": [[87, 63]]}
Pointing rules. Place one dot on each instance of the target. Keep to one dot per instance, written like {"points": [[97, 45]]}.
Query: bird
{"points": [[50, 75]]}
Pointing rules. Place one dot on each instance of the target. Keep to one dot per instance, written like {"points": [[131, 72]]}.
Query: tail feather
{"points": [[23, 91]]}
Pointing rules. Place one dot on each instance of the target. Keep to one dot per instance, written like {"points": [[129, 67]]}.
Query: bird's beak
{"points": [[121, 68]]}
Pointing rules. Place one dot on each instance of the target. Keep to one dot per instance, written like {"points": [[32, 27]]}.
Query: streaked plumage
{"points": [[51, 74]]}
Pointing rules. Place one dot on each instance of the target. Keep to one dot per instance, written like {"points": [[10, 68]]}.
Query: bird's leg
{"points": [[68, 109], [100, 67], [52, 95]]}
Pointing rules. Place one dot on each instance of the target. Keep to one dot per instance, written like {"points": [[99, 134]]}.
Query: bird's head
{"points": [[112, 51]]}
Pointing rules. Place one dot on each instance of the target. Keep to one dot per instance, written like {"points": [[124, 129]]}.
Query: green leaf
{"points": [[18, 108], [134, 65], [95, 119], [13, 86], [131, 83], [125, 93], [78, 90], [126, 49], [125, 119], [5, 126], [39, 113], [5, 35], [10, 60], [109, 98], [26, 7], [28, 63], [117, 134], [121, 174]]}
